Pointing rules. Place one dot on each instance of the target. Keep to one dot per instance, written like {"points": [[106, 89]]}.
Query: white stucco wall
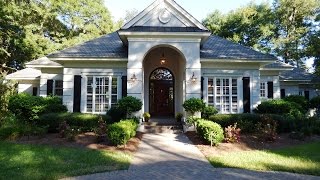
{"points": [[294, 88], [26, 86]]}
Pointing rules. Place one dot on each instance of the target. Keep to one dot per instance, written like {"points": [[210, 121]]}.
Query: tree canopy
{"points": [[30, 28], [286, 28]]}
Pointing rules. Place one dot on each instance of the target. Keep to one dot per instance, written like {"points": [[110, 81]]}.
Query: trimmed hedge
{"points": [[300, 100], [85, 122], [208, 111], [210, 131], [281, 107], [28, 108], [119, 133]]}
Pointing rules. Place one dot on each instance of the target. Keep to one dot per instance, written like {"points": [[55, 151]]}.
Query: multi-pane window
{"points": [[102, 93], [223, 94], [58, 87], [263, 89]]}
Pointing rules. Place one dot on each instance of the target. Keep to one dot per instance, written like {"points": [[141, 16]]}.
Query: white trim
{"points": [[165, 40], [42, 66], [144, 34], [224, 60], [22, 78], [101, 73], [89, 59], [276, 69]]}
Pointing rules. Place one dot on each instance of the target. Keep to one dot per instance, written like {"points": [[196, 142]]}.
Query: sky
{"points": [[198, 8]]}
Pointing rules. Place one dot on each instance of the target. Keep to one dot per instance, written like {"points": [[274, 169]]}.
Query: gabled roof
{"points": [[297, 74], [278, 65], [107, 46], [25, 74], [110, 46], [219, 48], [43, 62], [168, 9]]}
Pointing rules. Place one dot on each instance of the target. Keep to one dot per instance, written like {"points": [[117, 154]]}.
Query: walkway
{"points": [[172, 156]]}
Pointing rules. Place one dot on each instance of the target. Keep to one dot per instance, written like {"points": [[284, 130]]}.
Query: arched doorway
{"points": [[161, 92]]}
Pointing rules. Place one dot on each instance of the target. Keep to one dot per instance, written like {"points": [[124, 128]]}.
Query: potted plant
{"points": [[146, 116], [179, 116]]}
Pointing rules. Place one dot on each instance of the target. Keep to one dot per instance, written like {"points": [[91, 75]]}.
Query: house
{"points": [[163, 56]]}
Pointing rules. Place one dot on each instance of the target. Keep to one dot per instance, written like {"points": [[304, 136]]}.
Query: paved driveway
{"points": [[172, 156]]}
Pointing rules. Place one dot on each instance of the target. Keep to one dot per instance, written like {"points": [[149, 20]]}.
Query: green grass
{"points": [[44, 162], [304, 159]]}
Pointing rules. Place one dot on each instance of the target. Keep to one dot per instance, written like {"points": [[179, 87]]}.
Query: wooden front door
{"points": [[161, 93], [162, 101]]}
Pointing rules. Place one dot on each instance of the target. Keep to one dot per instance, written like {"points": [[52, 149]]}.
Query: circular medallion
{"points": [[165, 16]]}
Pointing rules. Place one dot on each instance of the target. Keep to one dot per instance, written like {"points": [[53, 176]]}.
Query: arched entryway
{"points": [[164, 69], [161, 92]]}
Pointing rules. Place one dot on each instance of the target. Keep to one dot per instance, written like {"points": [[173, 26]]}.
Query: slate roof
{"points": [[44, 61], [111, 46], [219, 48], [28, 73], [163, 29], [297, 74], [278, 65], [107, 46]]}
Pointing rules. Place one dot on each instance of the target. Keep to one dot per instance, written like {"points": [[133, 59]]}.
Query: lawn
{"points": [[19, 161], [304, 159]]}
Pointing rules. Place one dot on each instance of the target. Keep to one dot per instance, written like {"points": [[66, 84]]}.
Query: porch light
{"points": [[193, 78], [163, 59], [134, 77]]}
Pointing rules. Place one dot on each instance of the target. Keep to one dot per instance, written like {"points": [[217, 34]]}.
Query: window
{"points": [[263, 90], [58, 88], [102, 93], [223, 94]]}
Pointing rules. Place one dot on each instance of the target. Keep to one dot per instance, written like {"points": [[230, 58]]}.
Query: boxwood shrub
{"points": [[28, 108], [119, 133], [84, 122], [280, 106], [210, 131]]}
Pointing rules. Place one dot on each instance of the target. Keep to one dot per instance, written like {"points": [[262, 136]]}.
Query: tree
{"points": [[30, 29]]}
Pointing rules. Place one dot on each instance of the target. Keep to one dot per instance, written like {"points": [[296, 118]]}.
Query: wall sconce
{"points": [[193, 78], [134, 78], [163, 59]]}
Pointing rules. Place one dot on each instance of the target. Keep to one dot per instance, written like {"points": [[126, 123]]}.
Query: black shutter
{"points": [[124, 86], [307, 95], [77, 93], [246, 95], [35, 91], [283, 93], [202, 79], [49, 87], [270, 90]]}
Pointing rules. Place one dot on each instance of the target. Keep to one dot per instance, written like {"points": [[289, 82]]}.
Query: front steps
{"points": [[155, 128]]}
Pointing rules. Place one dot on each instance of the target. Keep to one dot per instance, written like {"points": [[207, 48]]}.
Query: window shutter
{"points": [[270, 90], [124, 86], [202, 80], [49, 87], [283, 93], [77, 93], [307, 95], [35, 91], [246, 95]]}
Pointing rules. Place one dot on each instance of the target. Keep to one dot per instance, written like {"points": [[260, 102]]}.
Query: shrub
{"points": [[267, 129], [193, 105], [208, 111], [29, 108], [179, 117], [85, 122], [315, 103], [232, 134], [210, 131], [244, 121], [280, 106], [129, 105], [119, 133], [300, 100], [116, 114], [7, 89]]}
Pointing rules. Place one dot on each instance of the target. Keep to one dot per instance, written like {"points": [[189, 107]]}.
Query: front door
{"points": [[161, 93]]}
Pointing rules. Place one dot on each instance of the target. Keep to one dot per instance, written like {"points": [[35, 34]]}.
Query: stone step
{"points": [[155, 129]]}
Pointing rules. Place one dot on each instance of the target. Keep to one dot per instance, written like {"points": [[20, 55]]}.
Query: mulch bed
{"points": [[85, 140], [247, 143]]}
